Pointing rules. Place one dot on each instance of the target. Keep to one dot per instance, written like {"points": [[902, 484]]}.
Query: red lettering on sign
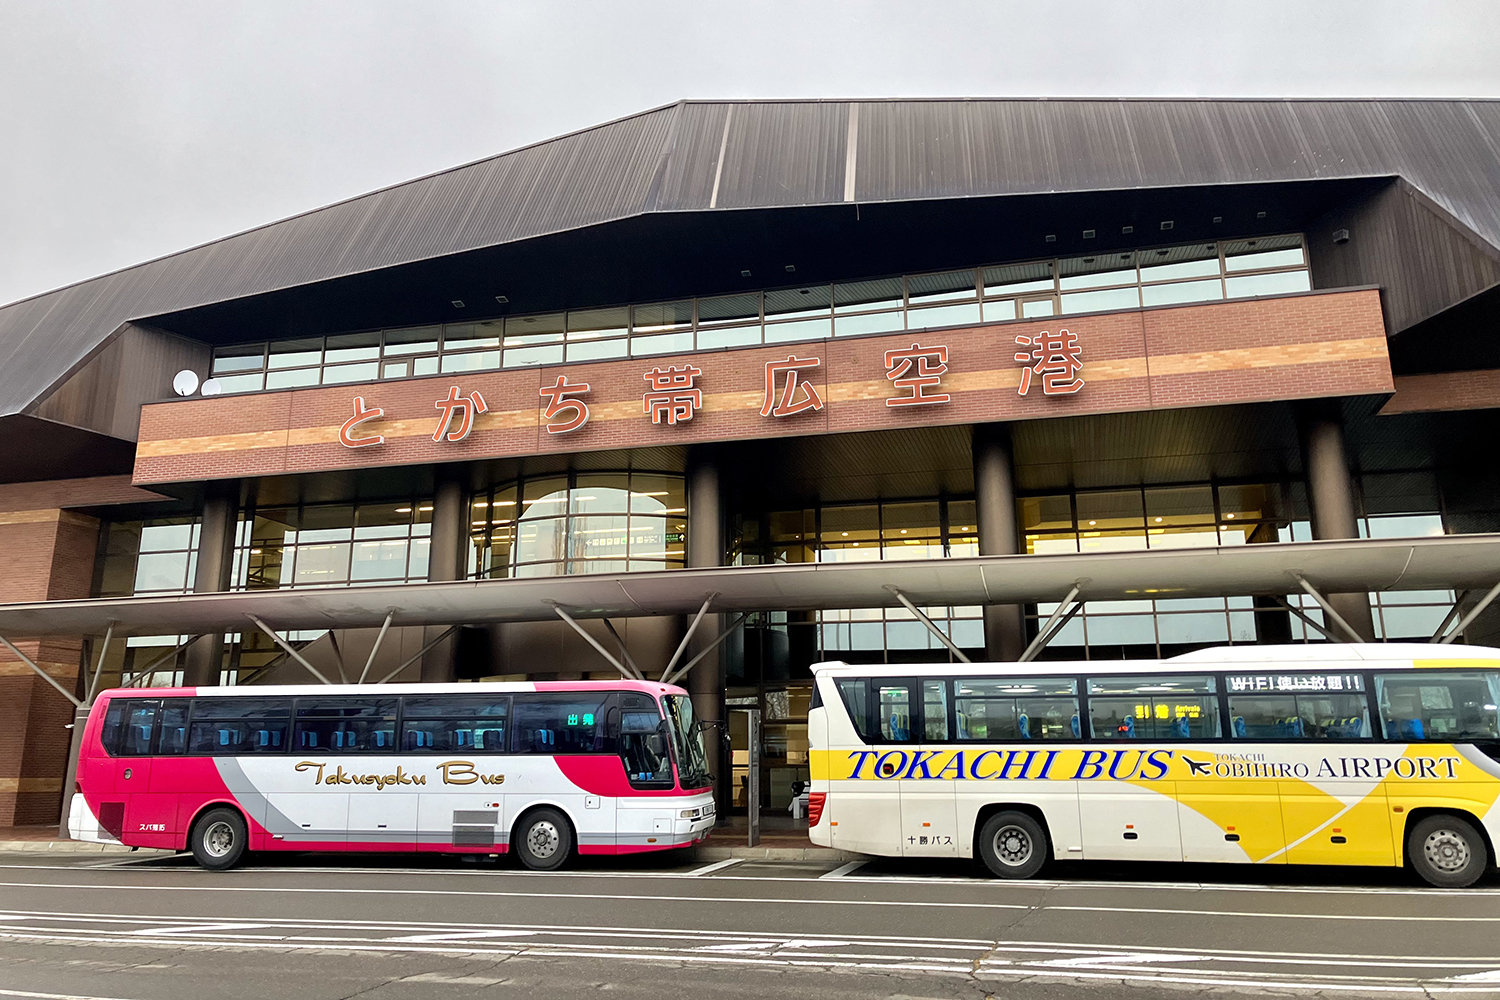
{"points": [[931, 364], [466, 407], [790, 402], [673, 397], [1059, 361], [346, 436], [560, 404]]}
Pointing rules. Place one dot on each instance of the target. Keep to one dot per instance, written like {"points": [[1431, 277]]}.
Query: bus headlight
{"points": [[690, 814]]}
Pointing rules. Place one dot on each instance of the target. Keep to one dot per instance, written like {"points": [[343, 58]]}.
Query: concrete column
{"points": [[205, 657], [705, 547], [1330, 493], [445, 561], [995, 500]]}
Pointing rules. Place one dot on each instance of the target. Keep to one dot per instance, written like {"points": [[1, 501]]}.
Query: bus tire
{"points": [[1013, 845], [219, 839], [1447, 851], [544, 839]]}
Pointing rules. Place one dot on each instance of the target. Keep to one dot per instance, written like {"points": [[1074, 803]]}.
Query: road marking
{"points": [[50, 996], [843, 870], [717, 866]]}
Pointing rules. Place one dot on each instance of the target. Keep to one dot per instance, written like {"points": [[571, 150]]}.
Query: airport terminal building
{"points": [[724, 389]]}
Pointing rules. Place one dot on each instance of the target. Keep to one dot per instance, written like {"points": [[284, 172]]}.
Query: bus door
{"points": [[861, 807], [916, 713], [147, 813]]}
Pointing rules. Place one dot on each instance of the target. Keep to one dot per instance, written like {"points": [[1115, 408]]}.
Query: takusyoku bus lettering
{"points": [[542, 770], [1385, 754]]}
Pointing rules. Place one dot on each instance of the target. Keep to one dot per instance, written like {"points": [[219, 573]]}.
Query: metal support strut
{"points": [[1054, 624], [614, 661], [1333, 615], [687, 667], [149, 669], [687, 636], [93, 688], [290, 651], [1309, 621], [420, 653], [931, 625], [385, 627], [1474, 612]]}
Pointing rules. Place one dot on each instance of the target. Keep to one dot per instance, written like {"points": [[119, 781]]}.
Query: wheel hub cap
{"points": [[543, 839], [1446, 851], [218, 839], [1012, 845]]}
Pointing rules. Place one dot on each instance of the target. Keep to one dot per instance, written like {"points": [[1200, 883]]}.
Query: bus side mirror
{"points": [[657, 744]]}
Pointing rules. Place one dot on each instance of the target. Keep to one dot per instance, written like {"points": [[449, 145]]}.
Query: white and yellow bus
{"points": [[1331, 755]]}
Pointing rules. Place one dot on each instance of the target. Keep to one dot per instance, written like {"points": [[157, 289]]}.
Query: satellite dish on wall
{"points": [[212, 387], [185, 382]]}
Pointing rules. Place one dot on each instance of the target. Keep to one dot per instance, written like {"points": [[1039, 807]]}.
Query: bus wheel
{"points": [[1447, 851], [1013, 845], [219, 839], [544, 840]]}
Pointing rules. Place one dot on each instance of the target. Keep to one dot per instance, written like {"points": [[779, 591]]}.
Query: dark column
{"points": [[445, 561], [205, 657], [705, 547], [995, 500], [1331, 495]]}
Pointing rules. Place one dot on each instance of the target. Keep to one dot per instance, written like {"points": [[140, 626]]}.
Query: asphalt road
{"points": [[328, 928]]}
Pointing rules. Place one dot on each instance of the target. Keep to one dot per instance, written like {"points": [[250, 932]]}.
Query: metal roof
{"points": [[1457, 562], [721, 156]]}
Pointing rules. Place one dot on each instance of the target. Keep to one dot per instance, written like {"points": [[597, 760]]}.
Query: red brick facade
{"points": [[1292, 347], [50, 557]]}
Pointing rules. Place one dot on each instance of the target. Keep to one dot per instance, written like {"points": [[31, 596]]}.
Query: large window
{"points": [[580, 523], [1440, 705], [333, 545], [1153, 708], [1199, 272]]}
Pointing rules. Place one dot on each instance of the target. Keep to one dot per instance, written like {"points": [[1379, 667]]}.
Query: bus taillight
{"points": [[815, 807]]}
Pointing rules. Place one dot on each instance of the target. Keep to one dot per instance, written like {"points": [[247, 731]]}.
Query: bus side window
{"points": [[856, 697], [171, 727], [345, 725], [563, 723], [893, 702], [114, 718], [1313, 716], [1179, 707], [135, 728], [643, 749], [453, 724], [935, 709], [233, 726], [1446, 705], [1019, 708]]}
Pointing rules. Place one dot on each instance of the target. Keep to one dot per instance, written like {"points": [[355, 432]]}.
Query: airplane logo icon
{"points": [[1198, 766]]}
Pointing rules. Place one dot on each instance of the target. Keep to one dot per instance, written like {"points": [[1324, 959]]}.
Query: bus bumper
{"points": [[84, 825]]}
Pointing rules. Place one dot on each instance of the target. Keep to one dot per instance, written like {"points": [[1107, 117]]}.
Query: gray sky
{"points": [[129, 130]]}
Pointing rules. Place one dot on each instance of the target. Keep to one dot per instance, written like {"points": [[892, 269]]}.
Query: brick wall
{"points": [[49, 557], [1289, 347], [1471, 390]]}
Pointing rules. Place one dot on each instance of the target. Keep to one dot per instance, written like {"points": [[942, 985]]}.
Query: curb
{"points": [[775, 854], [71, 847]]}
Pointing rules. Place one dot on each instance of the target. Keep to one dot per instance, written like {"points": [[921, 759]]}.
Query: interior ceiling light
{"points": [[1051, 239], [1167, 224], [503, 300], [1218, 219], [1260, 215], [745, 274], [458, 303], [790, 268], [1088, 234], [1127, 230]]}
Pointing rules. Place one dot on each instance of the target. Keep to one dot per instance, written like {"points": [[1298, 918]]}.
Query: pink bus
{"points": [[539, 769]]}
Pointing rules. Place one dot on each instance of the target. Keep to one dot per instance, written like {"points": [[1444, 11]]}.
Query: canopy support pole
{"points": [[1474, 612], [687, 636], [109, 633], [625, 671], [338, 656], [375, 649], [1333, 615], [931, 625], [41, 673], [625, 653], [1044, 634], [1308, 621], [288, 647], [683, 670], [1047, 637], [1458, 603], [420, 653]]}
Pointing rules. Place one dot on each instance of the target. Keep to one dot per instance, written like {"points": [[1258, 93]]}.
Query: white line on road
{"points": [[717, 866], [843, 870], [50, 996]]}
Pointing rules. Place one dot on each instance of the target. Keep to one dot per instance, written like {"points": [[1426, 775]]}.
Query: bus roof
{"points": [[1286, 657], [393, 690]]}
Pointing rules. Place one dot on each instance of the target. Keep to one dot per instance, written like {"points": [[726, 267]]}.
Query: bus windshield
{"points": [[687, 742]]}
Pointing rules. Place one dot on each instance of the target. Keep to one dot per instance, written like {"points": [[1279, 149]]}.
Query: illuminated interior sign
{"points": [[1332, 683]]}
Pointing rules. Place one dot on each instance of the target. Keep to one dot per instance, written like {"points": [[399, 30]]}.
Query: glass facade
{"points": [[1199, 272], [582, 522]]}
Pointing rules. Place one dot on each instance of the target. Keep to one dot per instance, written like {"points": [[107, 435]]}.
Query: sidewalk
{"points": [[781, 839]]}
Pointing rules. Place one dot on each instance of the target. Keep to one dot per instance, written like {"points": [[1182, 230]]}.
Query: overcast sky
{"points": [[129, 130]]}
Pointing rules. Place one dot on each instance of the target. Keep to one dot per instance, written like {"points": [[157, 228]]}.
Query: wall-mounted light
{"points": [[1341, 236]]}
